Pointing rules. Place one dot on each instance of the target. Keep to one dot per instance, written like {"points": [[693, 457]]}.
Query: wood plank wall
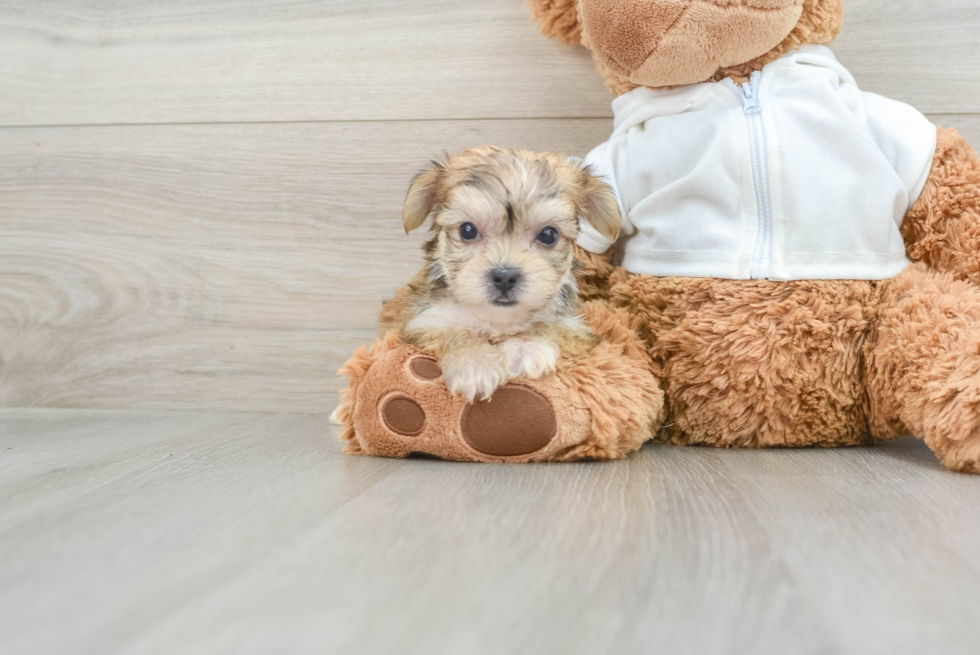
{"points": [[200, 201]]}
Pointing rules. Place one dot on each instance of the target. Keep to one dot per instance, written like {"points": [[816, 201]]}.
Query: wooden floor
{"points": [[163, 532], [199, 216]]}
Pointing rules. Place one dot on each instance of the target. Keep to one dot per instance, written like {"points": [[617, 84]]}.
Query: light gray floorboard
{"points": [[157, 532], [146, 61], [228, 267]]}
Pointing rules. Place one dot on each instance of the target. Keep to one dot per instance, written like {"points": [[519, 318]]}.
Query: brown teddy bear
{"points": [[798, 265]]}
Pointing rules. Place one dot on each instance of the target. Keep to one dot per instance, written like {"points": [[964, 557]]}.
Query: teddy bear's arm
{"points": [[592, 273], [943, 227]]}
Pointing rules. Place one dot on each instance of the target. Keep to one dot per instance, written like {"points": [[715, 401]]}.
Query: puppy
{"points": [[497, 297]]}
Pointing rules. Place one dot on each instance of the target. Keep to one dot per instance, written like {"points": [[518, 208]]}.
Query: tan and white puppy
{"points": [[497, 297]]}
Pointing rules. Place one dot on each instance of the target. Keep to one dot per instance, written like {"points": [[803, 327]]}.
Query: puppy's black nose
{"points": [[505, 279]]}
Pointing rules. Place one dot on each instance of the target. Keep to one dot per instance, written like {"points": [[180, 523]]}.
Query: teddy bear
{"points": [[798, 264]]}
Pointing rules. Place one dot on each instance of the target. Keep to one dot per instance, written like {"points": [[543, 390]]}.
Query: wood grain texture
{"points": [[70, 62], [212, 266], [295, 60], [923, 53], [229, 267], [162, 532]]}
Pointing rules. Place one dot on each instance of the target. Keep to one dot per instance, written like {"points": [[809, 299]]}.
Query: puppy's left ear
{"points": [[597, 203], [423, 196]]}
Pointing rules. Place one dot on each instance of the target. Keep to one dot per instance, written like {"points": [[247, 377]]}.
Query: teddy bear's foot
{"points": [[601, 405], [924, 365], [963, 456], [404, 407], [951, 423], [516, 421]]}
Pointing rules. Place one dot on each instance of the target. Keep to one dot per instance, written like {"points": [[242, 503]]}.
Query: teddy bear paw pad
{"points": [[425, 368], [403, 416], [516, 420]]}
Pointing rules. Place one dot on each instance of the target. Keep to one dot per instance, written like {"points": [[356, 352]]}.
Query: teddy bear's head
{"points": [[658, 43]]}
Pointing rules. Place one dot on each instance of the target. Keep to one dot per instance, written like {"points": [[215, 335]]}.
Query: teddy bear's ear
{"points": [[423, 196], [558, 19], [597, 204]]}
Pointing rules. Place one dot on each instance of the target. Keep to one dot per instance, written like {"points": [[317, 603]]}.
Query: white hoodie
{"points": [[796, 175]]}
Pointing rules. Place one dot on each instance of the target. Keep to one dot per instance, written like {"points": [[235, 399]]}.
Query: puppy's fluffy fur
{"points": [[497, 297]]}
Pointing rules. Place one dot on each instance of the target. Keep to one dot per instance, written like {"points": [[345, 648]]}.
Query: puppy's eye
{"points": [[468, 231], [548, 236]]}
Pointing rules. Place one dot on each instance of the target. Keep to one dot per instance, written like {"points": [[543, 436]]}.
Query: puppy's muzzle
{"points": [[505, 279]]}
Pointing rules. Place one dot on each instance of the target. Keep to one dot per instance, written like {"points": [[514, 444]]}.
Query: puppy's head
{"points": [[503, 224]]}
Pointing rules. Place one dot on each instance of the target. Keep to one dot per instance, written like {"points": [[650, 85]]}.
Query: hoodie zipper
{"points": [[762, 254]]}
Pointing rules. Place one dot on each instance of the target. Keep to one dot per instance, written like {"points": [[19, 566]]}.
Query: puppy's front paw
{"points": [[532, 358], [475, 374]]}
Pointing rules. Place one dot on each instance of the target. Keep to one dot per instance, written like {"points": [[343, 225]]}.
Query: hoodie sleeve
{"points": [[905, 137], [608, 163]]}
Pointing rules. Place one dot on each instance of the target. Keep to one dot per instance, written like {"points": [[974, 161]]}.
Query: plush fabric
{"points": [[923, 364], [626, 38], [814, 363], [943, 228], [672, 42]]}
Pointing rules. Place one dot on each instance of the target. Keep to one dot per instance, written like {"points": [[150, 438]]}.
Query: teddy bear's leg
{"points": [[943, 228], [923, 364], [756, 363]]}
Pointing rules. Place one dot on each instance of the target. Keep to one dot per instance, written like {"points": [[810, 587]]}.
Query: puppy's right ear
{"points": [[423, 195], [597, 203]]}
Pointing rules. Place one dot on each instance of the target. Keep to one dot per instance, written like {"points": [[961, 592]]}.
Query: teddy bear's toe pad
{"points": [[515, 421], [425, 368], [403, 416]]}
